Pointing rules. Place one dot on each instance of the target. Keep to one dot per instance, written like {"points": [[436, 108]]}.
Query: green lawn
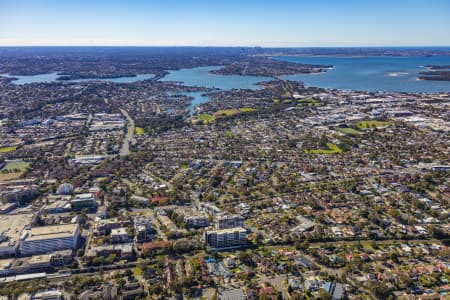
{"points": [[371, 124], [349, 131], [247, 109], [8, 149], [229, 134], [13, 170], [139, 131], [100, 179], [206, 118], [308, 102], [233, 111], [20, 165], [226, 112], [138, 272], [332, 149]]}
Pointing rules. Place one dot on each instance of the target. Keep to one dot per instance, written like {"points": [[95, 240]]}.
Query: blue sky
{"points": [[229, 22]]}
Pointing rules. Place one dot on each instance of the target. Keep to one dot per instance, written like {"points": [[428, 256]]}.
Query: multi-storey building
{"points": [[229, 221], [226, 238], [82, 201], [48, 239], [197, 221]]}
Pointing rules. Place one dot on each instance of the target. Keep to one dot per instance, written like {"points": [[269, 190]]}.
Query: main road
{"points": [[125, 150]]}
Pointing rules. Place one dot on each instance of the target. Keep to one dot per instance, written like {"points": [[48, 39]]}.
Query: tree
{"points": [[324, 295]]}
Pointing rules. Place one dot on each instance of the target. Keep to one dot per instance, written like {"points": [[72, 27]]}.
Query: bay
{"points": [[387, 73]]}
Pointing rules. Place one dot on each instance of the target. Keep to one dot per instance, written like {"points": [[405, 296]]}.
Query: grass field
{"points": [[371, 124], [229, 134], [8, 149], [206, 118], [226, 112], [308, 102], [332, 149], [20, 166], [247, 109], [139, 131], [349, 131], [100, 179]]}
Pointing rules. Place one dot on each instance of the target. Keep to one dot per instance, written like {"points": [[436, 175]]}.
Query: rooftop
{"points": [[11, 227], [51, 232]]}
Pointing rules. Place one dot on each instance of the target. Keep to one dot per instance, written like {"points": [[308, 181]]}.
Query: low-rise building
{"points": [[119, 235], [121, 250]]}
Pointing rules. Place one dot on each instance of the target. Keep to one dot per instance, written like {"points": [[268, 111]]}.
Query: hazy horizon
{"points": [[273, 24]]}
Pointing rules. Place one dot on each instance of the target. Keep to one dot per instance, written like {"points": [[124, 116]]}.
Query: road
{"points": [[125, 150]]}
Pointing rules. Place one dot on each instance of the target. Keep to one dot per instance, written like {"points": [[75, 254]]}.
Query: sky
{"points": [[274, 23]]}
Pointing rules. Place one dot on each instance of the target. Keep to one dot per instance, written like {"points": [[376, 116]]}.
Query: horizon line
{"points": [[222, 46]]}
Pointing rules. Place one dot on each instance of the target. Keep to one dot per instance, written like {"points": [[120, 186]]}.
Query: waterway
{"points": [[201, 77], [391, 74], [52, 77]]}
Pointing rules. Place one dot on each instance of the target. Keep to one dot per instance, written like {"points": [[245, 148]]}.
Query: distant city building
{"points": [[226, 238], [48, 239]]}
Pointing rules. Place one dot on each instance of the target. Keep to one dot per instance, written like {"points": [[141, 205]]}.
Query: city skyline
{"points": [[226, 23]]}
